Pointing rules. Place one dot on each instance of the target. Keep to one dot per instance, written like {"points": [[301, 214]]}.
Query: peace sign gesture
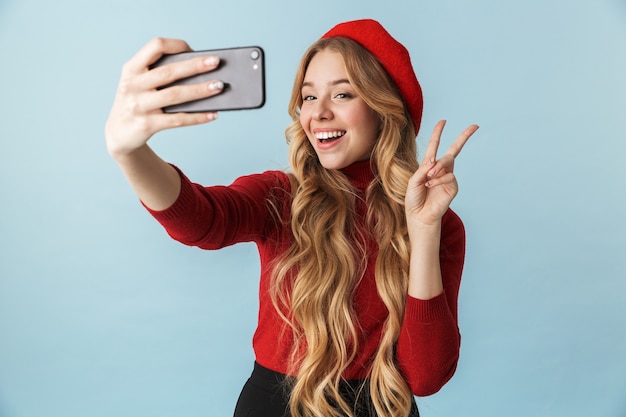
{"points": [[433, 186]]}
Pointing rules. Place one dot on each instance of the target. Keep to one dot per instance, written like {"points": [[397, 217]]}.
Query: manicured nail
{"points": [[216, 85], [211, 116], [211, 61]]}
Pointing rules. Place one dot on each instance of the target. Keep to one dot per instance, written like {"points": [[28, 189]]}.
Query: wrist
{"points": [[425, 271], [419, 229], [123, 155]]}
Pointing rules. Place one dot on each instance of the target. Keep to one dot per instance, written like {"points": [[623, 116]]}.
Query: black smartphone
{"points": [[242, 70]]}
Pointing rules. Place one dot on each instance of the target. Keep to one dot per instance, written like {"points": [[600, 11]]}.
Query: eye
{"points": [[308, 98], [343, 95]]}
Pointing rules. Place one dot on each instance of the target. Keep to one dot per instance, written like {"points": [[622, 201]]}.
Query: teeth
{"points": [[329, 135]]}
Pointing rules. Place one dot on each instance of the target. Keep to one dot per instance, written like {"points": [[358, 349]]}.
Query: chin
{"points": [[333, 165]]}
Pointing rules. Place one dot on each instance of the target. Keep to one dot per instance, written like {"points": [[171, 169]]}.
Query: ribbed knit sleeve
{"points": [[219, 216], [429, 342]]}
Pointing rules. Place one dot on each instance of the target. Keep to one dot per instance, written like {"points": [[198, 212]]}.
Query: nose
{"points": [[322, 110]]}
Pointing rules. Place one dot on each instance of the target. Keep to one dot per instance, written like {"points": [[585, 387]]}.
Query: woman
{"points": [[361, 257]]}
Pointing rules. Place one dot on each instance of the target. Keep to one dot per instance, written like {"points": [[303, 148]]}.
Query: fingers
{"points": [[144, 102], [137, 109], [152, 51], [445, 178], [181, 94], [159, 122], [420, 177], [433, 171], [447, 161], [166, 74], [457, 146], [137, 74], [139, 84], [433, 144]]}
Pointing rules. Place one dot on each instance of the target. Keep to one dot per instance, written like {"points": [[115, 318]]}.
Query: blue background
{"points": [[101, 314]]}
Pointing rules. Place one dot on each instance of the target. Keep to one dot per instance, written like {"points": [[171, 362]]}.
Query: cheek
{"points": [[372, 123], [305, 118]]}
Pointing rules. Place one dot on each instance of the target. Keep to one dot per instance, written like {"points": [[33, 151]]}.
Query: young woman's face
{"points": [[338, 123]]}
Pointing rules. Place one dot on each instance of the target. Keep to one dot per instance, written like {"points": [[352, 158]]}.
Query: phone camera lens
{"points": [[255, 54]]}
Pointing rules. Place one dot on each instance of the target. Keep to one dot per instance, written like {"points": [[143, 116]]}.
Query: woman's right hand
{"points": [[136, 114]]}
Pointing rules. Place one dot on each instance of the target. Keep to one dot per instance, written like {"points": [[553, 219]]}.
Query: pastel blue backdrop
{"points": [[101, 314]]}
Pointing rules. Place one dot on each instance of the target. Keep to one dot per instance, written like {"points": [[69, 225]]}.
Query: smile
{"points": [[329, 136]]}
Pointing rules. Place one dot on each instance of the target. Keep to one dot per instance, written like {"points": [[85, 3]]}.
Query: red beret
{"points": [[392, 55]]}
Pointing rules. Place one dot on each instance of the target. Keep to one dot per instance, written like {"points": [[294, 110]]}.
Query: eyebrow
{"points": [[332, 83]]}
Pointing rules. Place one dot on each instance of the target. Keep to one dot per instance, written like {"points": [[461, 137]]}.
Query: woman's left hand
{"points": [[433, 186]]}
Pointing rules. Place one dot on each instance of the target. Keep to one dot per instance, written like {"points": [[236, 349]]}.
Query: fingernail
{"points": [[211, 116], [216, 85], [211, 61], [431, 173]]}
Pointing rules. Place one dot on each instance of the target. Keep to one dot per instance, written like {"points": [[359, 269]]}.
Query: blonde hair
{"points": [[314, 281]]}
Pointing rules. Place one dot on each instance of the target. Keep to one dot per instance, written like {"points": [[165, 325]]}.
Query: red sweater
{"points": [[215, 217]]}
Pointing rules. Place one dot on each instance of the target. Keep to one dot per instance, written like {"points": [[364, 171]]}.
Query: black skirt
{"points": [[265, 394]]}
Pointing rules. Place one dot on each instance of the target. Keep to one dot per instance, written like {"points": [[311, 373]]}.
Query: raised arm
{"points": [[136, 116], [429, 194], [428, 346]]}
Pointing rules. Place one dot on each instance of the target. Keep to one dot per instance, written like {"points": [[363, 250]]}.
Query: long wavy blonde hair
{"points": [[314, 281]]}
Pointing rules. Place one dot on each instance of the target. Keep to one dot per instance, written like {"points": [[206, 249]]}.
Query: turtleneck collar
{"points": [[359, 173]]}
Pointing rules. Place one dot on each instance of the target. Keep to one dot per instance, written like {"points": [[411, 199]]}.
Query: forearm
{"points": [[156, 183], [428, 346], [425, 281], [429, 341]]}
